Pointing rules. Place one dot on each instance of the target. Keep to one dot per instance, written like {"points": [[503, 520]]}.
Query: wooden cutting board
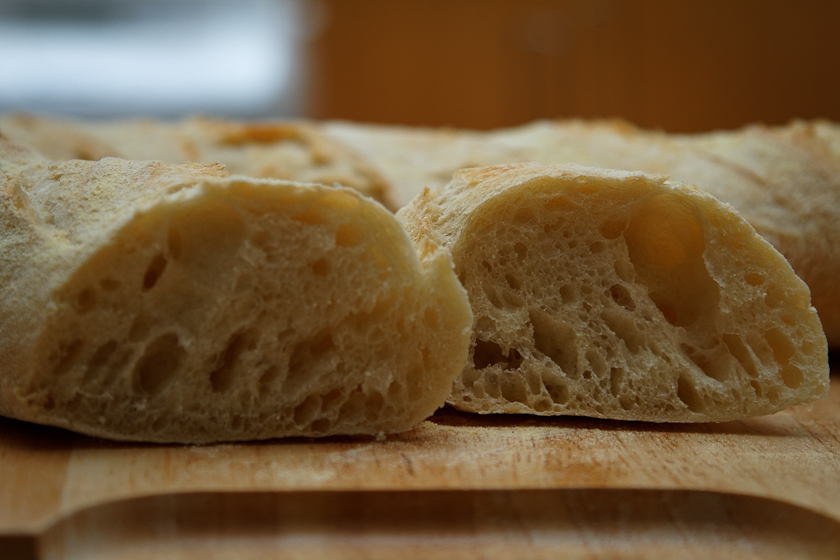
{"points": [[456, 486]]}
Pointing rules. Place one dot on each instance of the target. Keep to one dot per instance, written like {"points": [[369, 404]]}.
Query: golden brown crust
{"points": [[290, 150]]}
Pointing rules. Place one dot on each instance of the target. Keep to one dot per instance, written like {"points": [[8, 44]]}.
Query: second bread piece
{"points": [[620, 295]]}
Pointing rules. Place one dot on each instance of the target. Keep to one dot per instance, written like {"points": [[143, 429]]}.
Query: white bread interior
{"points": [[166, 303], [619, 295]]}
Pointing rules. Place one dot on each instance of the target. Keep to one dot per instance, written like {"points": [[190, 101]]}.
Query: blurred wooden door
{"points": [[679, 66]]}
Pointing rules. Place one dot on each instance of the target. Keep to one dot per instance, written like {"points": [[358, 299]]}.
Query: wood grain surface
{"points": [[458, 485]]}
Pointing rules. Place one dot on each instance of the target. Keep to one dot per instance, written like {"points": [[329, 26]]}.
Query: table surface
{"points": [[457, 485]]}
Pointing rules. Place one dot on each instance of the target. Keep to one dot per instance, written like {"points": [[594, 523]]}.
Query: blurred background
{"points": [[681, 66]]}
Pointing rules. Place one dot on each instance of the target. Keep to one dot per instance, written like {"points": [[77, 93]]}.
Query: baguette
{"points": [[172, 303], [290, 150], [785, 181], [620, 295]]}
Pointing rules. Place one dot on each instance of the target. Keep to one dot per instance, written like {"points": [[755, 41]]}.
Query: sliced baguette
{"points": [[784, 180], [165, 303], [620, 295]]}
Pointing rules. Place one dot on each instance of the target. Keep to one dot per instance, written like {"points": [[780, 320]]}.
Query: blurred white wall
{"points": [[89, 58]]}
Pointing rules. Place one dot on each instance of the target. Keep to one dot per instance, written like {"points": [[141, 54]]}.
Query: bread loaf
{"points": [[619, 294], [170, 303], [785, 180], [291, 150]]}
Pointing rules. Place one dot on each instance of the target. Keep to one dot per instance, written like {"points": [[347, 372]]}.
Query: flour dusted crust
{"points": [[171, 303], [785, 181], [619, 295], [290, 150]]}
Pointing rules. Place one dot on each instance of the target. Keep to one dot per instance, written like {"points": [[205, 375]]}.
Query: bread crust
{"points": [[173, 303], [289, 150], [784, 180], [621, 295]]}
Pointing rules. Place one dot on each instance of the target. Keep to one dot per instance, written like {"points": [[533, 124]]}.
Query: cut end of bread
{"points": [[620, 295], [241, 309]]}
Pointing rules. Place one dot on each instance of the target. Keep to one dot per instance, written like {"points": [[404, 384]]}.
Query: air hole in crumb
{"points": [[611, 229], [705, 365], [394, 390], [311, 215], [99, 359], [741, 353], [558, 392], [759, 392], [513, 281], [86, 300], [622, 297], [773, 396], [775, 296], [557, 340], [596, 361], [492, 295], [153, 272], [521, 251], [303, 355], [173, 243], [513, 389], [689, 395], [66, 357], [512, 299], [222, 377], [321, 267], [596, 247], [624, 328], [792, 376], [543, 405], [568, 294], [754, 279], [624, 269], [349, 235], [331, 400], [668, 312], [666, 245], [783, 348], [488, 353], [487, 266], [159, 363], [306, 411]]}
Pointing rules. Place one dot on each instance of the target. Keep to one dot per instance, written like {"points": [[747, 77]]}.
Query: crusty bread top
{"points": [[621, 295], [784, 180], [291, 150], [155, 302]]}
